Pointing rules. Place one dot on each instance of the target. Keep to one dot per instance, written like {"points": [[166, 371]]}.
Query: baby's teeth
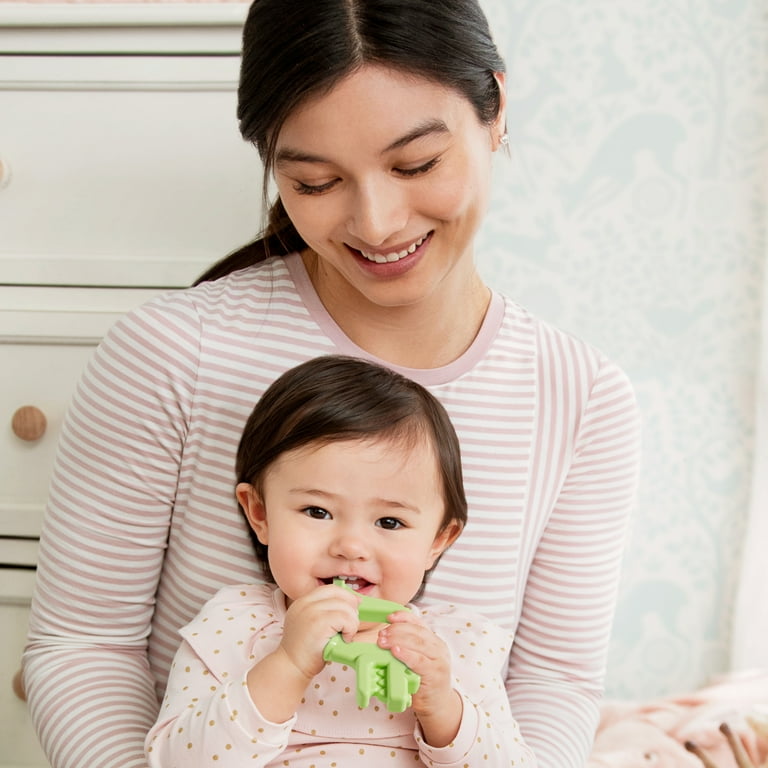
{"points": [[351, 581]]}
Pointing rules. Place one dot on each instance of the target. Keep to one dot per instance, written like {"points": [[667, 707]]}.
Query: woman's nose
{"points": [[379, 210]]}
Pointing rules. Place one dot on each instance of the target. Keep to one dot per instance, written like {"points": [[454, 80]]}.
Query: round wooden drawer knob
{"points": [[5, 173], [29, 423], [18, 686]]}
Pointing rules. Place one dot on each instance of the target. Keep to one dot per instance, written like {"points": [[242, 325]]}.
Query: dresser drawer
{"points": [[46, 338], [121, 170]]}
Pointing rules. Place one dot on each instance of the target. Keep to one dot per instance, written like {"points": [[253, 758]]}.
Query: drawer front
{"points": [[123, 27], [44, 377], [118, 170], [47, 336]]}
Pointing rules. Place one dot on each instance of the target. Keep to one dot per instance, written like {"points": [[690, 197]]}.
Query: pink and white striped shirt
{"points": [[142, 527]]}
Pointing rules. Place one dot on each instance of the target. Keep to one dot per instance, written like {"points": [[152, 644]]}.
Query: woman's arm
{"points": [[90, 690], [557, 665]]}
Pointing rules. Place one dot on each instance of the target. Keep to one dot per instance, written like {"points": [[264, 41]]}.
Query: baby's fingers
{"points": [[405, 617], [416, 646]]}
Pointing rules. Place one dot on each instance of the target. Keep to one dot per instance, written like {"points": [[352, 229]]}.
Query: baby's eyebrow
{"points": [[312, 491], [396, 504], [383, 504]]}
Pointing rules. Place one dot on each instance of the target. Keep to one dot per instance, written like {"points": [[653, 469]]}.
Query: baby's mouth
{"points": [[353, 582]]}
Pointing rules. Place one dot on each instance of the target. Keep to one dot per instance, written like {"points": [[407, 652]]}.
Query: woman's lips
{"points": [[393, 256], [388, 260]]}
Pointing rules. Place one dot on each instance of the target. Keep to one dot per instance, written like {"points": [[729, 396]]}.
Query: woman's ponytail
{"points": [[279, 239]]}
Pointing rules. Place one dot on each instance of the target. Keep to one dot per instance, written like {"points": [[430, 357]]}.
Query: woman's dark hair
{"points": [[333, 398], [296, 49]]}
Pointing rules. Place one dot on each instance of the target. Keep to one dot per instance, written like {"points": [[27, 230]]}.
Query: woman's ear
{"points": [[254, 510], [445, 537], [499, 125]]}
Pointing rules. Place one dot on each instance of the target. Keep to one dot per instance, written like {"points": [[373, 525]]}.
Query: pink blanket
{"points": [[654, 733]]}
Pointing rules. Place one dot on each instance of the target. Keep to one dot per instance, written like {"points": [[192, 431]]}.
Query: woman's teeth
{"points": [[381, 258]]}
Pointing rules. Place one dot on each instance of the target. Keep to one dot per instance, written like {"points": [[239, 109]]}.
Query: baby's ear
{"points": [[445, 537], [254, 510]]}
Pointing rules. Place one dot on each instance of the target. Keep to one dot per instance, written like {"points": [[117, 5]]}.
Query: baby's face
{"points": [[368, 511]]}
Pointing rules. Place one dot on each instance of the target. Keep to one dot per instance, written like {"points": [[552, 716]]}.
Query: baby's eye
{"points": [[389, 523], [317, 513]]}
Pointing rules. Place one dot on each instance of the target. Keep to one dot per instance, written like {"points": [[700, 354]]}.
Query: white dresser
{"points": [[122, 173]]}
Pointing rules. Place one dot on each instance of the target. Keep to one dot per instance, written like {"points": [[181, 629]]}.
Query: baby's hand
{"points": [[417, 646], [312, 620]]}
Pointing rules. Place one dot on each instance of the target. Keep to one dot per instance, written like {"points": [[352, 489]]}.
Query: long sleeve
{"points": [[207, 717], [488, 736], [208, 722], [90, 689], [557, 665]]}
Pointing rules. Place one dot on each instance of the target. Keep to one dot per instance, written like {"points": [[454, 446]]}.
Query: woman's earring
{"points": [[504, 139]]}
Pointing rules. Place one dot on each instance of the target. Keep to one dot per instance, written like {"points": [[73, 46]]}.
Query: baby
{"points": [[346, 471]]}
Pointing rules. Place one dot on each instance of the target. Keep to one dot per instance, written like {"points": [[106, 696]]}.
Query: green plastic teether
{"points": [[378, 672]]}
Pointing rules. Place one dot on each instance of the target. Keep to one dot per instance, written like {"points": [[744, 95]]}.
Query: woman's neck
{"points": [[429, 334]]}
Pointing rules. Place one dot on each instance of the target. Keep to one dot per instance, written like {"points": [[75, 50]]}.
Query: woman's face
{"points": [[386, 178]]}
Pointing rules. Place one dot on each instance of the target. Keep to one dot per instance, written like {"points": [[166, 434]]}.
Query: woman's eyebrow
{"points": [[289, 155], [427, 128]]}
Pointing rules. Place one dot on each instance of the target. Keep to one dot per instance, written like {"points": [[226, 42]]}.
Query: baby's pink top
{"points": [[207, 718]]}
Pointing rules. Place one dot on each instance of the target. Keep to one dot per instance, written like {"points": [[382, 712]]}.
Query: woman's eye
{"points": [[389, 523], [318, 189], [428, 166], [313, 189], [317, 513]]}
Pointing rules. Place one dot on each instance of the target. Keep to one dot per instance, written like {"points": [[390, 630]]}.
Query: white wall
{"points": [[632, 213]]}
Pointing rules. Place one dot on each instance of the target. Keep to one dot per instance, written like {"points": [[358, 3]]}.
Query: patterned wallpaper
{"points": [[632, 212]]}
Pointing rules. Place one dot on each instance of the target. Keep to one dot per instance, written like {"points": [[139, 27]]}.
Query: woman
{"points": [[378, 120]]}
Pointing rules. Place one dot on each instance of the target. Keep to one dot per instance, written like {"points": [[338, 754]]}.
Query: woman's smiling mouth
{"points": [[393, 256]]}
